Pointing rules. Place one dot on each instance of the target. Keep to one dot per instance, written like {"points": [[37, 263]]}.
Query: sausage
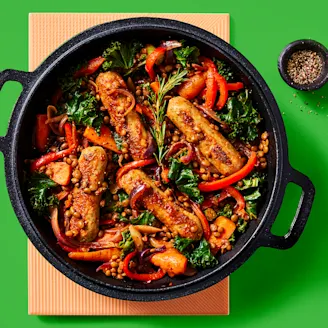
{"points": [[130, 127], [92, 165], [171, 261], [211, 143], [177, 219]]}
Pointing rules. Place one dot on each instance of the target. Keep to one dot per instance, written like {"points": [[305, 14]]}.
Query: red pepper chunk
{"points": [[42, 132], [223, 88], [240, 205], [92, 66], [235, 86], [231, 179], [140, 276], [54, 156], [153, 59]]}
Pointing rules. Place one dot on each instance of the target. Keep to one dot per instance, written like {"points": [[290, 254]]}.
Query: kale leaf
{"points": [[83, 111], [127, 243], [187, 55], [253, 196], [40, 197], [201, 257], [118, 140], [145, 218], [225, 211], [121, 54], [241, 225], [251, 210], [182, 244], [232, 239], [241, 117], [116, 206], [255, 179], [68, 82], [223, 69], [185, 180]]}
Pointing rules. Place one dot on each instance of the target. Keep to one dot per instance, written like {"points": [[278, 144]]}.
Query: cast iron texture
{"points": [[304, 45], [38, 85]]}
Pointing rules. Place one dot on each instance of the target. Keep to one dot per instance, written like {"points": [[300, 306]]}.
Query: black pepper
{"points": [[304, 66]]}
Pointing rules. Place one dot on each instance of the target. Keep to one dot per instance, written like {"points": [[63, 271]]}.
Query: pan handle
{"points": [[300, 218], [23, 78]]}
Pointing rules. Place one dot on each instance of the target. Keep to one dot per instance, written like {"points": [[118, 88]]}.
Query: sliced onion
{"points": [[160, 243], [105, 266], [135, 195], [151, 146], [177, 146], [198, 67], [241, 147], [148, 253], [55, 119], [171, 44], [110, 236], [209, 112], [51, 110], [137, 238], [95, 86], [146, 229], [61, 125], [127, 94], [169, 57]]}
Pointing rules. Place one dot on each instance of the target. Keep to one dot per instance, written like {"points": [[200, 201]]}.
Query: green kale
{"points": [[182, 244], [116, 206], [118, 140], [253, 196], [120, 54], [145, 218], [232, 239], [241, 225], [251, 210], [224, 69], [185, 180], [254, 180], [187, 55], [126, 244], [82, 110], [241, 117], [39, 191], [122, 218], [68, 82], [225, 211], [201, 257]]}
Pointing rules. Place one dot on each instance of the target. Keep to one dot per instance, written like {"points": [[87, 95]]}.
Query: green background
{"points": [[274, 288]]}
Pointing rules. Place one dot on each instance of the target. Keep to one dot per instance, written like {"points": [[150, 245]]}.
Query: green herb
{"points": [[223, 69], [82, 109], [241, 225], [255, 179], [241, 117], [182, 244], [254, 195], [145, 218], [187, 55], [232, 239], [201, 257], [159, 111], [68, 82], [225, 211], [251, 210], [185, 180], [122, 218], [126, 244], [121, 54], [118, 140], [116, 206], [39, 191], [115, 158]]}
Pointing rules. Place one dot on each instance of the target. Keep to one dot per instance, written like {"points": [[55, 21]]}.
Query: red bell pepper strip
{"points": [[54, 156], [240, 206], [211, 88], [223, 88], [154, 58], [42, 132], [91, 67], [140, 276], [235, 86], [133, 165], [233, 178], [141, 109], [203, 220], [165, 175]]}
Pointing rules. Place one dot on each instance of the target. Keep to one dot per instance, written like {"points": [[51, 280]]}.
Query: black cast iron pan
{"points": [[38, 85]]}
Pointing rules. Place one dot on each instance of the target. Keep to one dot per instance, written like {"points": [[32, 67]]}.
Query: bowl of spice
{"points": [[303, 64]]}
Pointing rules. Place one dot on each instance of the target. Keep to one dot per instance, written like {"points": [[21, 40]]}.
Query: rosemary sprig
{"points": [[159, 111]]}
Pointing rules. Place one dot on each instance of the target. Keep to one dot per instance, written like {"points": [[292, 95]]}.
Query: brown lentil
{"points": [[234, 218], [213, 227]]}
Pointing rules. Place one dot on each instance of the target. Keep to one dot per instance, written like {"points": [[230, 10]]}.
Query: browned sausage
{"points": [[130, 126], [211, 143], [92, 165], [176, 218]]}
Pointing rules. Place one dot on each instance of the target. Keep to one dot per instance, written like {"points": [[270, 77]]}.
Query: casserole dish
{"points": [[37, 87]]}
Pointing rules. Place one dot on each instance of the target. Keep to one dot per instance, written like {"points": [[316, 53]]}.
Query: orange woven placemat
{"points": [[49, 291]]}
